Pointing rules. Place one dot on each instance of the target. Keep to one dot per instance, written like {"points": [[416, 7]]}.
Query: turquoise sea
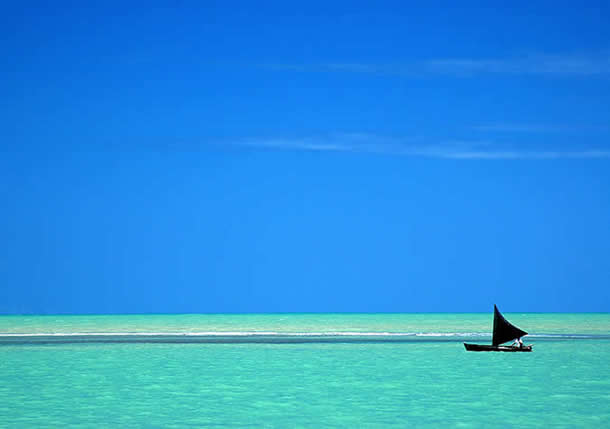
{"points": [[301, 370]]}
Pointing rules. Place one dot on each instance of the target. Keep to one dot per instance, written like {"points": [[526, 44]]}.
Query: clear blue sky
{"points": [[304, 156]]}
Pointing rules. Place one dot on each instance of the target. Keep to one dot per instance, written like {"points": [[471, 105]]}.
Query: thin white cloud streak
{"points": [[537, 128], [363, 143], [588, 154], [521, 128], [295, 144], [531, 65], [534, 65]]}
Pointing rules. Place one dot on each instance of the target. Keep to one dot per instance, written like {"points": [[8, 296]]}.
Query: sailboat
{"points": [[503, 331]]}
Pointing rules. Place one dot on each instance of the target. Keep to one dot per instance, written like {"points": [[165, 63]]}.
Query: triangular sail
{"points": [[503, 330]]}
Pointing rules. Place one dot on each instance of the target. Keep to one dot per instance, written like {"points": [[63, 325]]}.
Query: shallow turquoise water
{"points": [[535, 323], [564, 382]]}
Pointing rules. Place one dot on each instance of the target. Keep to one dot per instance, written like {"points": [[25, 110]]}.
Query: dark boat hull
{"points": [[486, 348]]}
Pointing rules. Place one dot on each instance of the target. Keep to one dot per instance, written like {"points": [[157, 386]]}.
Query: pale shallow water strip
{"points": [[265, 337]]}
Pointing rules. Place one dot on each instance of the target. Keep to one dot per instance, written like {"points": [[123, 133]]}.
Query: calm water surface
{"points": [[425, 382]]}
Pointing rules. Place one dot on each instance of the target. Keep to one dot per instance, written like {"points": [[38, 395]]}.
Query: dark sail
{"points": [[503, 330]]}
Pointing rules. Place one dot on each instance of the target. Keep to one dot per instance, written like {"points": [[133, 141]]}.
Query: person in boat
{"points": [[518, 343]]}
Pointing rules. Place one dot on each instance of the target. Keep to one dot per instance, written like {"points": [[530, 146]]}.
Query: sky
{"points": [[229, 157]]}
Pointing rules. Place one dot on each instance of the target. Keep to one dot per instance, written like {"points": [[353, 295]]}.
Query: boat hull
{"points": [[486, 348]]}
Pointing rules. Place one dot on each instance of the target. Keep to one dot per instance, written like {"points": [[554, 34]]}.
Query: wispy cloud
{"points": [[459, 150], [541, 65], [295, 144], [539, 128], [564, 65], [586, 154]]}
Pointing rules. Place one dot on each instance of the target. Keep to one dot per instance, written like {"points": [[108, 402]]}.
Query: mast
{"points": [[503, 330]]}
